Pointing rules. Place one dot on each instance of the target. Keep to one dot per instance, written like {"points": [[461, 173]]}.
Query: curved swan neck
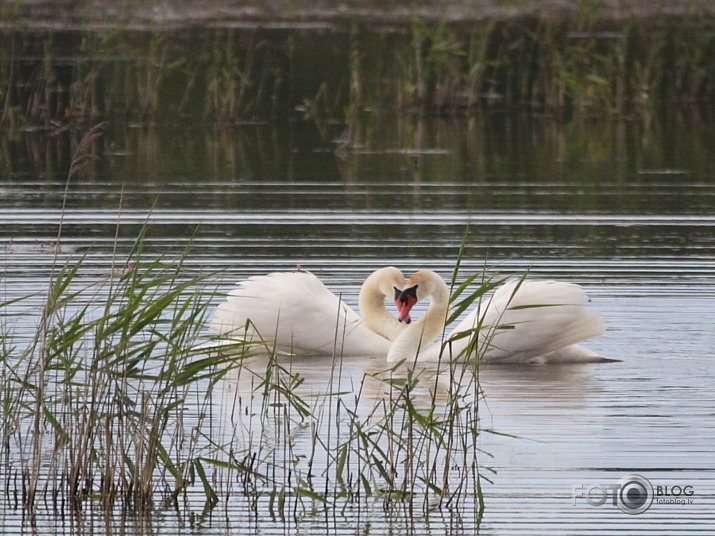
{"points": [[379, 285], [432, 322], [418, 335]]}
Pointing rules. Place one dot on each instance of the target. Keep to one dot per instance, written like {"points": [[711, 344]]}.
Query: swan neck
{"points": [[372, 307], [433, 321]]}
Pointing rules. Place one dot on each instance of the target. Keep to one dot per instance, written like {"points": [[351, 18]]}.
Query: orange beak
{"points": [[405, 303], [404, 312]]}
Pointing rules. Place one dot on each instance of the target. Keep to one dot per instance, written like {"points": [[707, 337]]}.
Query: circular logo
{"points": [[635, 494]]}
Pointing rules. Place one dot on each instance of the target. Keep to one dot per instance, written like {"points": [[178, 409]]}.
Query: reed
{"points": [[115, 402], [581, 65]]}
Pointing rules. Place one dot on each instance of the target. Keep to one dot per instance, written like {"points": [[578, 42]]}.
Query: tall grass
{"points": [[93, 404], [115, 401]]}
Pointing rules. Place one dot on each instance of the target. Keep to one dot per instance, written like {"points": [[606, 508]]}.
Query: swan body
{"points": [[293, 312], [533, 322]]}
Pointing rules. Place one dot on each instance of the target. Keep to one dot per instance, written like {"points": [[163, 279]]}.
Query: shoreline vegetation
{"points": [[117, 404], [175, 63]]}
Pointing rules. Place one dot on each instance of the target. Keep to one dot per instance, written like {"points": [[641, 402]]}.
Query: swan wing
{"points": [[294, 312], [524, 320]]}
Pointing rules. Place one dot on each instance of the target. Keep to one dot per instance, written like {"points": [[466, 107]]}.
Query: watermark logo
{"points": [[635, 494], [632, 494]]}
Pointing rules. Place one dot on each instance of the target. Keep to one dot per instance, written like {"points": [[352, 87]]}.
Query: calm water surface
{"points": [[625, 209]]}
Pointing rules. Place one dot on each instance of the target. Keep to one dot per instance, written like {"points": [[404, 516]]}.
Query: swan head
{"points": [[388, 281], [419, 286]]}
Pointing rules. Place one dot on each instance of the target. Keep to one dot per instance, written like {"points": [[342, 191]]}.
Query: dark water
{"points": [[627, 209]]}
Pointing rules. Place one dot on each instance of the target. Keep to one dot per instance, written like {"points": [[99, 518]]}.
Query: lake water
{"points": [[626, 209]]}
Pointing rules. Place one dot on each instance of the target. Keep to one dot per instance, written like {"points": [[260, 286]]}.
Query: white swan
{"points": [[532, 322], [295, 313]]}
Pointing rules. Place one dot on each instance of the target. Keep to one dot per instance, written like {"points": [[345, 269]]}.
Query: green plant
{"points": [[114, 401]]}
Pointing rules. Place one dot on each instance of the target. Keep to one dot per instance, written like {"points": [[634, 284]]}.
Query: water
{"points": [[623, 208]]}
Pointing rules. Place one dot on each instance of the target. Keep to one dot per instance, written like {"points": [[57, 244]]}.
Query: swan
{"points": [[293, 312], [532, 322]]}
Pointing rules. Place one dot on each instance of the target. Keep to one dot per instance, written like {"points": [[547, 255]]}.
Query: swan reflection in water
{"points": [[310, 407]]}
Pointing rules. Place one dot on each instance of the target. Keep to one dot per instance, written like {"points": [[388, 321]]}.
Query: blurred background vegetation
{"points": [[63, 63]]}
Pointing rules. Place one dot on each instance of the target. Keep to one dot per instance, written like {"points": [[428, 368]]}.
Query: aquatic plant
{"points": [[96, 408]]}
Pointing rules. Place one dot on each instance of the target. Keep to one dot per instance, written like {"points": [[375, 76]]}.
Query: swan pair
{"points": [[531, 322]]}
